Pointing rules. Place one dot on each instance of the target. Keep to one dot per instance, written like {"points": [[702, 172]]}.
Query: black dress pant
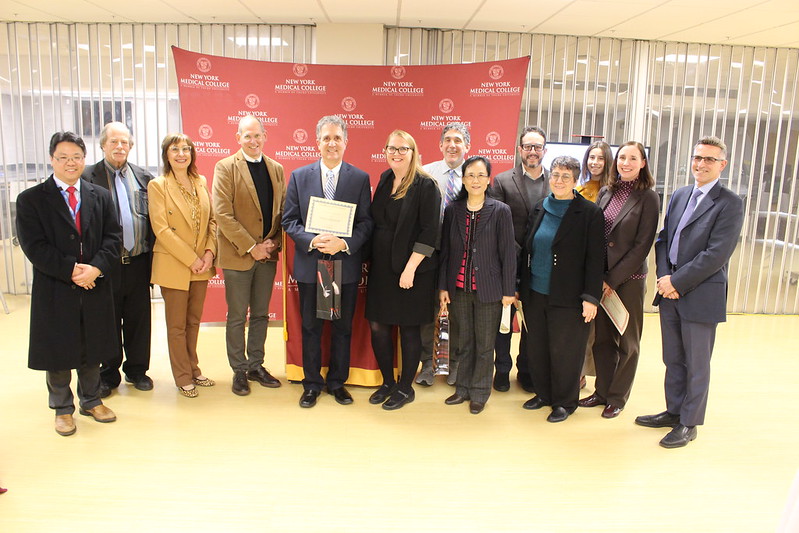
{"points": [[341, 335], [131, 290], [555, 348]]}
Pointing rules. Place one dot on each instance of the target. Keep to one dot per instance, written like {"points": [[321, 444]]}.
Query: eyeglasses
{"points": [[180, 149], [401, 150], [563, 178], [64, 159], [709, 160], [474, 177], [531, 147]]}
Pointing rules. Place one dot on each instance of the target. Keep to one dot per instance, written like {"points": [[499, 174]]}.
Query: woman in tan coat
{"points": [[183, 255]]}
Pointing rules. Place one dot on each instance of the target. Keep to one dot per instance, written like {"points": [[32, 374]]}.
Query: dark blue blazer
{"points": [[353, 187], [706, 244], [493, 255]]}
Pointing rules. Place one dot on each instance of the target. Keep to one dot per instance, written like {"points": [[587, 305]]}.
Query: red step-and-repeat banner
{"points": [[289, 99]]}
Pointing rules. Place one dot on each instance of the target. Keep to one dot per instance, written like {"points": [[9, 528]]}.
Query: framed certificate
{"points": [[330, 216]]}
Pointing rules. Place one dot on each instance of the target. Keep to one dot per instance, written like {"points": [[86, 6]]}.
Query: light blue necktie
{"points": [[330, 186], [125, 216], [686, 216]]}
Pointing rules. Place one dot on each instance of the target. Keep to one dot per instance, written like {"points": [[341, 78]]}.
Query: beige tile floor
{"points": [[260, 463]]}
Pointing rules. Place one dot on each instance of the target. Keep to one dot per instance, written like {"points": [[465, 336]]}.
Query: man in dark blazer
{"points": [[68, 229], [700, 232], [130, 278], [333, 177], [520, 188]]}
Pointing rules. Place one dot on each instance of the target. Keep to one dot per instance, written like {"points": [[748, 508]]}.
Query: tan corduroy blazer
{"points": [[238, 210], [174, 250]]}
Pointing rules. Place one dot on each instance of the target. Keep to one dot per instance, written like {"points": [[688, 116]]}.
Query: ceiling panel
{"points": [[750, 22]]}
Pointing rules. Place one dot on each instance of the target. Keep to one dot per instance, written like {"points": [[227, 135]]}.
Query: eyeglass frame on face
{"points": [[474, 177], [528, 147], [707, 159], [62, 159], [401, 150], [560, 177], [180, 150]]}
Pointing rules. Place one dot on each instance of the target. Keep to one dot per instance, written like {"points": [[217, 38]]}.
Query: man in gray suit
{"points": [[700, 232], [521, 188]]}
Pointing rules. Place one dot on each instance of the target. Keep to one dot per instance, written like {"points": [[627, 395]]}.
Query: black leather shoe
{"points": [[455, 399], [660, 420], [263, 377], [558, 414], [525, 381], [398, 399], [380, 395], [534, 403], [501, 382], [142, 382], [591, 401], [105, 389], [341, 395], [308, 398], [240, 385], [679, 437], [476, 407]]}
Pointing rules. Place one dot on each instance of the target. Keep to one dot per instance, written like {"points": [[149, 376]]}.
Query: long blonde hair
{"points": [[414, 169]]}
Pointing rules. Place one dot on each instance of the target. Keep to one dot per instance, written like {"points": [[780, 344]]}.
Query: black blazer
{"points": [[418, 227], [59, 308], [631, 235], [577, 255], [494, 253]]}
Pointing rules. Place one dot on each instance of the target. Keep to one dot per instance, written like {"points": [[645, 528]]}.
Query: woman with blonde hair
{"points": [[406, 211], [183, 255]]}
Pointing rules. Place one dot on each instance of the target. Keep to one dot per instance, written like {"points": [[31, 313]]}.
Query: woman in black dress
{"points": [[402, 276]]}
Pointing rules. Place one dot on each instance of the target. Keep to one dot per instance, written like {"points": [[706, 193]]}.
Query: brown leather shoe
{"points": [[611, 411], [100, 413], [591, 401], [65, 425]]}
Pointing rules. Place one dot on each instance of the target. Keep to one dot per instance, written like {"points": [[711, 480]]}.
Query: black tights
{"points": [[383, 347]]}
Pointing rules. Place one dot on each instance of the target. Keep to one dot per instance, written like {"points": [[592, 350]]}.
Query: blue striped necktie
{"points": [[451, 193], [330, 186]]}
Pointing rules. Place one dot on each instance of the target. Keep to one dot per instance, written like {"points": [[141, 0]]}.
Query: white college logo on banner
{"points": [[300, 69], [349, 104], [300, 136], [446, 105], [205, 131], [252, 101], [398, 72], [203, 64], [492, 138], [496, 72]]}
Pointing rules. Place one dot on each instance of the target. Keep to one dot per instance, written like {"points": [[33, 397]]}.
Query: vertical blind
{"points": [[663, 94], [666, 95], [80, 76]]}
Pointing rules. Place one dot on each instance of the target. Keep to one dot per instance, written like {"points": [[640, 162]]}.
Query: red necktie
{"points": [[73, 204]]}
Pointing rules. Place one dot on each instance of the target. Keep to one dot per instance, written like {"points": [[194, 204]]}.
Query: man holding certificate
{"points": [[327, 216]]}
